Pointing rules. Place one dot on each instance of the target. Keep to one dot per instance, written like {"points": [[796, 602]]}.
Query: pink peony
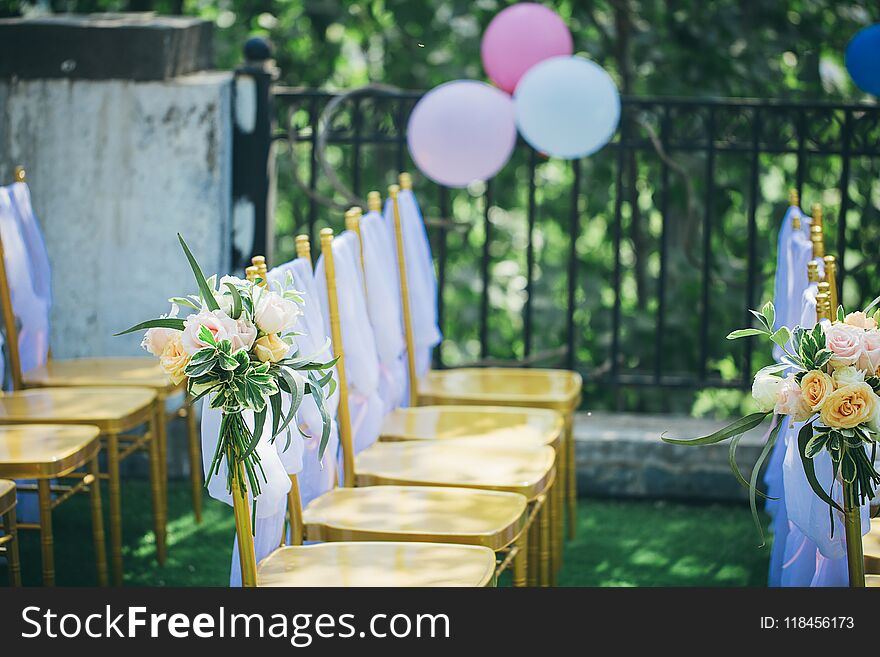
{"points": [[869, 360], [790, 401], [860, 320], [240, 333]]}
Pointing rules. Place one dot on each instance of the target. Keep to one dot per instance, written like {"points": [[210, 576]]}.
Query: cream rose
{"points": [[270, 348], [790, 401], [845, 342], [815, 387], [844, 376], [240, 333], [174, 359], [869, 360], [274, 313], [155, 339], [860, 320], [849, 406], [765, 389]]}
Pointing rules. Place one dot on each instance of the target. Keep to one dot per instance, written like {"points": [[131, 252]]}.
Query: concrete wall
{"points": [[116, 169]]}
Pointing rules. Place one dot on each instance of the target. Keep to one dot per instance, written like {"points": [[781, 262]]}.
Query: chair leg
{"points": [[544, 544], [47, 541], [115, 507], [572, 479], [98, 524], [553, 512], [159, 522], [12, 559], [520, 561], [160, 434], [534, 553], [195, 459]]}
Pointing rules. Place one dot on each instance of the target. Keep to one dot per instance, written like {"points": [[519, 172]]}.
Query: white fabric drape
{"points": [[359, 343], [316, 477], [420, 276], [384, 307]]}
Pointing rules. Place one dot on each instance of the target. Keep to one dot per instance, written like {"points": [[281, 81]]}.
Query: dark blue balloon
{"points": [[863, 59]]}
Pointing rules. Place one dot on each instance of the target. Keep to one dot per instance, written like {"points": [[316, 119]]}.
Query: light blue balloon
{"points": [[567, 107]]}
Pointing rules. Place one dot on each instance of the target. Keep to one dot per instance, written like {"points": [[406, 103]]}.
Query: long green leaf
{"points": [[236, 300], [259, 423], [164, 322], [731, 458], [744, 333], [734, 429], [753, 482], [206, 292], [804, 436]]}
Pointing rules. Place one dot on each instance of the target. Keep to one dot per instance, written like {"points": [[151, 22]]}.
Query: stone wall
{"points": [[116, 169]]}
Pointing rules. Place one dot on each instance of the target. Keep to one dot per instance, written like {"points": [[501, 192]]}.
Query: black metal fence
{"points": [[631, 265]]}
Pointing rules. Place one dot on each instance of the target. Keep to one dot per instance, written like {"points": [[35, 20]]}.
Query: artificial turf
{"points": [[618, 543]]}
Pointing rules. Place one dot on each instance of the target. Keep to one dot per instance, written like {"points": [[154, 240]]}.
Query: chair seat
{"points": [[464, 463], [140, 372], [110, 409], [417, 513], [503, 425], [872, 581], [558, 390], [45, 450], [7, 496], [378, 564]]}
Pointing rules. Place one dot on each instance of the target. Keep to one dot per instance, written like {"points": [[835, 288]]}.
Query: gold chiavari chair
{"points": [[9, 538], [558, 390], [116, 411], [356, 564], [494, 519], [499, 426], [50, 453], [119, 371]]}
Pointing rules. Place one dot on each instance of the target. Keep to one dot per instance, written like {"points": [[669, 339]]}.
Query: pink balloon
{"points": [[462, 131], [518, 38]]}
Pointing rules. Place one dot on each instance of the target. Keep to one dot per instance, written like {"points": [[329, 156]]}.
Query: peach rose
{"points": [[174, 359], [815, 387], [270, 348], [869, 360], [849, 406], [790, 401], [845, 342], [860, 320], [155, 339]]}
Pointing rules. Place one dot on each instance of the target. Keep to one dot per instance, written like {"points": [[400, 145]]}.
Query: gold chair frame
{"points": [[9, 538]]}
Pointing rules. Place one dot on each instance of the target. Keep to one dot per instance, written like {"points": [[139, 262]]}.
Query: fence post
{"points": [[252, 155]]}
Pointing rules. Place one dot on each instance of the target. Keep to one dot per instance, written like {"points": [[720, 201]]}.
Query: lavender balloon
{"points": [[462, 131], [518, 38]]}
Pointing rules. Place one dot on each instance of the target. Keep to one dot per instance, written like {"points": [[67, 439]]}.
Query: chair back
{"points": [[393, 191], [343, 414]]}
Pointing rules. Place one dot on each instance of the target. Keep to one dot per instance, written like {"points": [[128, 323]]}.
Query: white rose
{"points": [[843, 376], [240, 333], [765, 390], [274, 313]]}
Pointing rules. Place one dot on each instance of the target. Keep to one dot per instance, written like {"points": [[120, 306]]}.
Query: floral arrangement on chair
{"points": [[237, 346], [831, 385]]}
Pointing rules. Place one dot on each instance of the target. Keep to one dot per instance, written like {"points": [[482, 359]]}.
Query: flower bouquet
{"points": [[828, 380], [237, 347]]}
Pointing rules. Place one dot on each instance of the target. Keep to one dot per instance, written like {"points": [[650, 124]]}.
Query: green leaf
{"points": [[163, 322], [734, 429], [259, 423], [781, 337], [205, 335], [183, 301], [804, 436], [731, 459], [753, 482], [815, 445], [206, 292], [841, 314], [236, 300], [744, 333], [769, 313]]}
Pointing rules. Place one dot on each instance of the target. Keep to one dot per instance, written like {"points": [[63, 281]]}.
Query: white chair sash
{"points": [[384, 307], [30, 308], [41, 271], [316, 477], [359, 343], [420, 276]]}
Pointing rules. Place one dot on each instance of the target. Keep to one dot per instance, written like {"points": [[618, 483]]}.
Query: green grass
{"points": [[619, 543]]}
